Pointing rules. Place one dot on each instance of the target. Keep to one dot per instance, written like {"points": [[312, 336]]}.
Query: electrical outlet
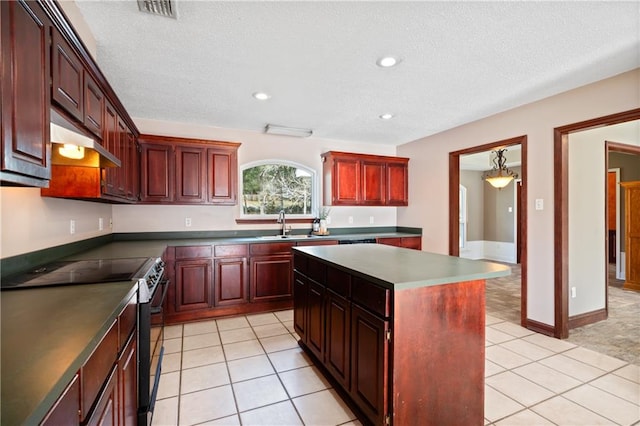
{"points": [[100, 224], [187, 222], [72, 226], [350, 220], [573, 292], [539, 204], [370, 220]]}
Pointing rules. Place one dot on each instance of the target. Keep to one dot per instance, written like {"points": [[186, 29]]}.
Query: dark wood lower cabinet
{"points": [[315, 318], [193, 284], [106, 408], [230, 281], [66, 410], [337, 338], [370, 363], [271, 278], [128, 383]]}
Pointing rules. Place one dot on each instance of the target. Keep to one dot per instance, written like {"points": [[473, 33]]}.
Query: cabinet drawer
{"points": [[191, 252], [127, 321], [317, 271], [230, 250], [300, 263], [339, 281], [371, 296], [96, 370], [271, 248]]}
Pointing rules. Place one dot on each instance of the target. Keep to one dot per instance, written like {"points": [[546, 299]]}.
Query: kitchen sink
{"points": [[285, 237]]}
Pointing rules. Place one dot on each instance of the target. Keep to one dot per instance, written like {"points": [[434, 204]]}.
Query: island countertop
{"points": [[398, 268]]}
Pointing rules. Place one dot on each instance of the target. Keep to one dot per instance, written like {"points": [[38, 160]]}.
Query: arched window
{"points": [[273, 185]]}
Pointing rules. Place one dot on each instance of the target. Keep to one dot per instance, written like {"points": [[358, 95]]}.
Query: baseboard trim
{"points": [[587, 318], [539, 327]]}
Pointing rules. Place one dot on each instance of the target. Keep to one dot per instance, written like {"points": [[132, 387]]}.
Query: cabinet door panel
{"points": [[111, 142], [66, 409], [231, 281], [271, 278], [369, 363], [190, 174], [300, 287], [397, 184], [94, 103], [222, 176], [25, 89], [315, 319], [373, 183], [337, 342], [67, 72], [346, 182], [106, 409], [128, 384], [157, 173], [193, 284]]}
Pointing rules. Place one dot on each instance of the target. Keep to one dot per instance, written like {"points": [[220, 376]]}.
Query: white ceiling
{"points": [[460, 61]]}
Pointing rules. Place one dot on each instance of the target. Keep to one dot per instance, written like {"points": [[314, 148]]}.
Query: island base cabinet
{"points": [[337, 339], [370, 364], [300, 305], [315, 319], [439, 332], [410, 356]]}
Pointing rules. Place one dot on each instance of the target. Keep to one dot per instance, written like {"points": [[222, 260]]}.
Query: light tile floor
{"points": [[249, 370]]}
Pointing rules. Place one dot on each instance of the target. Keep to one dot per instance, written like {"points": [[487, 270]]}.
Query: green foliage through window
{"points": [[269, 188]]}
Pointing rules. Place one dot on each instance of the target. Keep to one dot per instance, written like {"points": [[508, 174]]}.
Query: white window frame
{"points": [[315, 188]]}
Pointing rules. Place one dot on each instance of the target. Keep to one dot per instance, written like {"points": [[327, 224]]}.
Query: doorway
{"points": [[561, 215], [454, 208]]}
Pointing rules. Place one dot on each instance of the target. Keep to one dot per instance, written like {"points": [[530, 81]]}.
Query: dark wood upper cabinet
{"points": [[191, 165], [94, 104], [26, 95], [397, 180], [222, 169], [365, 180], [66, 77], [188, 171], [373, 183], [156, 171]]}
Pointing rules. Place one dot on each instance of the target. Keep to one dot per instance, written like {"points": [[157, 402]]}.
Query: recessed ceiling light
{"points": [[386, 116], [261, 96], [387, 62]]}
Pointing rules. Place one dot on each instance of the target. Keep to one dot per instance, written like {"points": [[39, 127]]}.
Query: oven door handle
{"points": [[158, 309]]}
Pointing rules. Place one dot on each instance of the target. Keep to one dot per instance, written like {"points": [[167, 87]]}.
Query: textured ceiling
{"points": [[460, 61]]}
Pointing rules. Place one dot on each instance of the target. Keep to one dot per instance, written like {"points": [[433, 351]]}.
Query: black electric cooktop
{"points": [[74, 272]]}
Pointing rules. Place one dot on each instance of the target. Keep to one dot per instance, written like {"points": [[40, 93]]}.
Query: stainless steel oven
{"points": [[150, 346]]}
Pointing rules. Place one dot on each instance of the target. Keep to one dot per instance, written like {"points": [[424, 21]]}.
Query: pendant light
{"points": [[499, 176]]}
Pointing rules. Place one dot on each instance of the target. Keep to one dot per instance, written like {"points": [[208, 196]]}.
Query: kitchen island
{"points": [[400, 331]]}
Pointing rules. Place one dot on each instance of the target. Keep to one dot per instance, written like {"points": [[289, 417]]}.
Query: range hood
{"points": [[90, 152]]}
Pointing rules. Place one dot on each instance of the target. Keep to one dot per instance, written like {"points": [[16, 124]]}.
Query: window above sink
{"points": [[267, 187]]}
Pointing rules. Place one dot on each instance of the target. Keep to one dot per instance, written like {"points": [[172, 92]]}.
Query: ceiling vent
{"points": [[166, 8]]}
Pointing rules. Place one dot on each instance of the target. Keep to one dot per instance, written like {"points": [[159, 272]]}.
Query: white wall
{"points": [[255, 146], [587, 248], [430, 166], [31, 223]]}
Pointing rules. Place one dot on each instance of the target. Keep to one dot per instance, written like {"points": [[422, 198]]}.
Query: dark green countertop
{"points": [[47, 334], [155, 248], [399, 268]]}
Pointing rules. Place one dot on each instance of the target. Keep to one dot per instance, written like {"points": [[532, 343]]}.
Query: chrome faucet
{"points": [[282, 220]]}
